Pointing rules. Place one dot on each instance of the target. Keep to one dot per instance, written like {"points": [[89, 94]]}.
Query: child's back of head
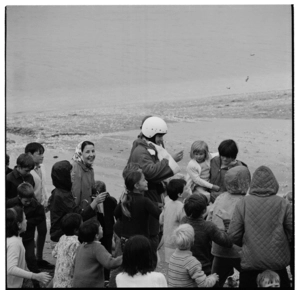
{"points": [[88, 231], [137, 256], [195, 205], [25, 160], [268, 278], [61, 175], [14, 216], [25, 190], [70, 223], [175, 188], [237, 180], [183, 237]]}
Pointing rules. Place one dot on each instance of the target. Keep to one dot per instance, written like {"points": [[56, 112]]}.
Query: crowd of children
{"points": [[210, 222]]}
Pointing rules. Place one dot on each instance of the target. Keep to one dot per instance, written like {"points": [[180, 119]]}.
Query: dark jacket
{"points": [[141, 208], [155, 171], [62, 201], [34, 212], [262, 225], [107, 220], [217, 175], [13, 180], [206, 232]]}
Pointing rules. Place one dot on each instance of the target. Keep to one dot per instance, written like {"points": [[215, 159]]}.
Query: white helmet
{"points": [[153, 126]]}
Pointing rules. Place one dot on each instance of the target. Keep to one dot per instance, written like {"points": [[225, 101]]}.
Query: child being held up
{"points": [[198, 170], [65, 251], [92, 257], [184, 269], [268, 279], [172, 214]]}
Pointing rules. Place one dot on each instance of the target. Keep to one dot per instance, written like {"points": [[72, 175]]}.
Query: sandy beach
{"points": [[261, 124]]}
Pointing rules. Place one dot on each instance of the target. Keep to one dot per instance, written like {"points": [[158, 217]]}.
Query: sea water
{"points": [[81, 57]]}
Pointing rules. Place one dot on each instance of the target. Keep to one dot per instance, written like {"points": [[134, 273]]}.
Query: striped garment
{"points": [[186, 271]]}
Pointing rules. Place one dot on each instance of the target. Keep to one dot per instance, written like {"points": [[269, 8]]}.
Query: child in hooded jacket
{"points": [[262, 225], [237, 181]]}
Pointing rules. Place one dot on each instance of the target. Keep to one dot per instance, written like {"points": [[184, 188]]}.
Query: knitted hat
{"points": [[237, 180], [263, 182]]}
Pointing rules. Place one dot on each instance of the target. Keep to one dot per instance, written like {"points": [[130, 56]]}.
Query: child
{"points": [[16, 224], [219, 165], [36, 151], [135, 209], [268, 279], [172, 214], [184, 269], [289, 197], [65, 251], [237, 181], [7, 169], [262, 224], [20, 174], [206, 232], [62, 201], [106, 218], [35, 214], [138, 270], [91, 257], [198, 170]]}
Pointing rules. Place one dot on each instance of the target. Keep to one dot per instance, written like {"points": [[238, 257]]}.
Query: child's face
{"points": [[37, 157], [88, 154], [270, 284], [25, 201], [226, 160], [100, 233], [199, 156], [142, 185], [24, 171]]}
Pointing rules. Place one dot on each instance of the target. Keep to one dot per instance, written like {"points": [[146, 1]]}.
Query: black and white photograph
{"points": [[149, 146]]}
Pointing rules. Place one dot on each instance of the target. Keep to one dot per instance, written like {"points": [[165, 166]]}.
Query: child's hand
{"points": [[99, 199], [223, 214], [212, 279], [42, 277], [215, 188], [178, 156]]}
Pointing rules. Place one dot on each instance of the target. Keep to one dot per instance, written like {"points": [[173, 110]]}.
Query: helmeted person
{"points": [[156, 163]]}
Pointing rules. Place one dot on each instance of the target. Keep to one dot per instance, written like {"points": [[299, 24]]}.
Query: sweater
{"points": [[140, 209], [151, 279], [171, 217], [13, 180], [206, 232], [83, 182], [237, 181], [217, 173], [34, 212], [16, 264], [199, 174], [262, 225], [89, 263], [40, 190], [186, 271]]}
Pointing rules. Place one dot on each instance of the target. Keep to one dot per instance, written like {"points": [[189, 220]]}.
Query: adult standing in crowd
{"points": [[82, 174], [156, 164]]}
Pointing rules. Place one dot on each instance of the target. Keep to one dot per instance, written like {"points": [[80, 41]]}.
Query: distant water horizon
{"points": [[81, 57]]}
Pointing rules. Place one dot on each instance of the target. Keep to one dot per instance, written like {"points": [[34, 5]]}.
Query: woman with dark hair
{"points": [[138, 269], [16, 223], [82, 175]]}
